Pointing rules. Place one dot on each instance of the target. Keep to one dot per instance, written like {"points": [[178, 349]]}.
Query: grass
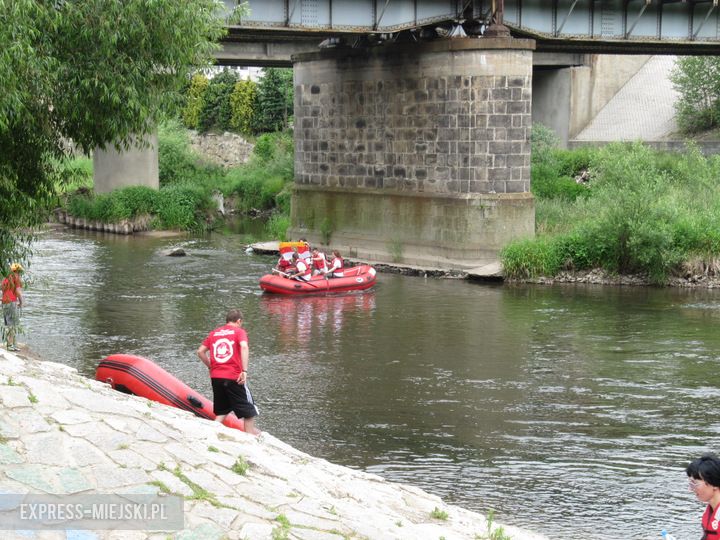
{"points": [[32, 397], [212, 449], [439, 514], [187, 183], [639, 211], [497, 533], [240, 466], [282, 531]]}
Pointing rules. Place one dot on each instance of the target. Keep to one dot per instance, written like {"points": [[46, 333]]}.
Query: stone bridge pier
{"points": [[415, 154]]}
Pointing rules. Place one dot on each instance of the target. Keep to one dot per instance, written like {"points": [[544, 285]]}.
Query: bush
{"points": [[195, 101], [531, 258], [277, 227], [243, 106], [178, 163], [183, 207], [697, 80]]}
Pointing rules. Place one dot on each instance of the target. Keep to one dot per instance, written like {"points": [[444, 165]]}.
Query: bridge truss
{"points": [[671, 26]]}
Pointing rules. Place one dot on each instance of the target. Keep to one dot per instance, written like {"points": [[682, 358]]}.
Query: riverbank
{"points": [[65, 434], [705, 278]]}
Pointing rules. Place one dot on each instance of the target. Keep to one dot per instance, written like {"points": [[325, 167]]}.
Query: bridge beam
{"points": [[416, 154]]}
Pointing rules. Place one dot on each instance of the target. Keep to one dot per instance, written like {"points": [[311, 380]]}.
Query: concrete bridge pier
{"points": [[415, 154], [137, 166]]}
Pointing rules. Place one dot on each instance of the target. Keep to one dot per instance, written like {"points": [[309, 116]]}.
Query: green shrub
{"points": [[183, 207], [530, 258], [177, 161], [547, 184], [243, 104], [277, 227], [195, 101]]}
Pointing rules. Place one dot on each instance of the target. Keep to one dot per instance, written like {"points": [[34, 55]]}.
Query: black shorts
{"points": [[229, 395]]}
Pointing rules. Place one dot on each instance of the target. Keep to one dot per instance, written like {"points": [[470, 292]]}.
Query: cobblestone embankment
{"points": [[62, 433]]}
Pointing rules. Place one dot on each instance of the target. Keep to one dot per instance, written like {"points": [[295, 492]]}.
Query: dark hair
{"points": [[706, 468], [234, 315]]}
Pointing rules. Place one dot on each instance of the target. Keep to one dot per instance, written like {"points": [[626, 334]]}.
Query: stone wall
{"points": [[418, 146], [226, 149]]}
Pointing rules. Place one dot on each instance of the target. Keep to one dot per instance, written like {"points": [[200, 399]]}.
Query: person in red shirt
{"points": [[319, 262], [12, 301], [302, 270], [704, 477], [225, 352]]}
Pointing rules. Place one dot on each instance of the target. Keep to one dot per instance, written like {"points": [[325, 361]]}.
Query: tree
{"points": [[243, 103], [697, 79], [195, 100], [216, 112], [275, 99], [92, 71]]}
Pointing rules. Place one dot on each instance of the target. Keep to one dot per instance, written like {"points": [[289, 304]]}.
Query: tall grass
{"points": [[187, 182], [643, 212]]}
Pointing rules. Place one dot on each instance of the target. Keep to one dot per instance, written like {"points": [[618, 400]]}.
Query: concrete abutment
{"points": [[415, 153]]}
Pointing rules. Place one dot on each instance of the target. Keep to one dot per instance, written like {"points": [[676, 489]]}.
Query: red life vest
{"points": [[338, 269], [319, 262], [304, 270]]}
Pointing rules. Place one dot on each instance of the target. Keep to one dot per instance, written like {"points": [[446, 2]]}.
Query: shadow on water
{"points": [[571, 410]]}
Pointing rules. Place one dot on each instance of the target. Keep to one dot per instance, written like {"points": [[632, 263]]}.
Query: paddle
{"points": [[296, 278]]}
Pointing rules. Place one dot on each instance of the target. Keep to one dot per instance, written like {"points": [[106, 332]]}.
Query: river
{"points": [[570, 410]]}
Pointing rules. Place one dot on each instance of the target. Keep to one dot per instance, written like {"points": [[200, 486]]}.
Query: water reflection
{"points": [[582, 402], [300, 322]]}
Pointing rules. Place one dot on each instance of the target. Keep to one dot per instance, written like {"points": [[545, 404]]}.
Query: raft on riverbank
{"points": [[235, 485]]}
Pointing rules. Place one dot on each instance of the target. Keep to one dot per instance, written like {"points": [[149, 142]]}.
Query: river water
{"points": [[569, 410]]}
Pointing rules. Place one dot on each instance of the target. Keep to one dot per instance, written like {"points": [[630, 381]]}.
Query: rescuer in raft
{"points": [[704, 481]]}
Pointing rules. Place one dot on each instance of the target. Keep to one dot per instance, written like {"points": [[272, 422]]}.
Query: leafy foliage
{"points": [[243, 106], [645, 212], [195, 100], [96, 73], [178, 162], [216, 112], [275, 99], [697, 79]]}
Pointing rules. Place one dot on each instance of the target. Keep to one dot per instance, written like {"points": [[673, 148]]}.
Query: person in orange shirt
{"points": [[12, 301]]}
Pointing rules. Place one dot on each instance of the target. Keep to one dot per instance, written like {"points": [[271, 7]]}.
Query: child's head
{"points": [[705, 468]]}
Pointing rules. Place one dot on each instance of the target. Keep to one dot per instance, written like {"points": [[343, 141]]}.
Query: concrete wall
{"points": [[596, 84], [135, 167], [552, 91], [567, 98], [415, 154]]}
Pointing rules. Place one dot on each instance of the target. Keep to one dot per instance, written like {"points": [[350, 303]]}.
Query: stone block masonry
{"points": [[415, 153]]}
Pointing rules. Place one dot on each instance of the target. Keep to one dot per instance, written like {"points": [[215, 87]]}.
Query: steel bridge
{"points": [[575, 26]]}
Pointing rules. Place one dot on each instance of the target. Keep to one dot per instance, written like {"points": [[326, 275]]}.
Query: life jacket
{"points": [[320, 262], [338, 270], [711, 523], [304, 270]]}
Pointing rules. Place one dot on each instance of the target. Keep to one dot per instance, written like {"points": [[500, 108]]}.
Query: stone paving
{"points": [[62, 433]]}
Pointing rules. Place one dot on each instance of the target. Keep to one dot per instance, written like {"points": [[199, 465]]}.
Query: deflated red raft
{"points": [[139, 376], [357, 278]]}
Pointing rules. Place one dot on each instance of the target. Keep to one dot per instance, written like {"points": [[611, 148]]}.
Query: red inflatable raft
{"points": [[357, 278], [141, 377]]}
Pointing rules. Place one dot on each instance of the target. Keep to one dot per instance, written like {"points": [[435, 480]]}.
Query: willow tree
{"points": [[80, 74]]}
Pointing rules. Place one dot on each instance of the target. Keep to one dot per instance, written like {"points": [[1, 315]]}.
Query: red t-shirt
{"points": [[224, 350], [9, 287], [711, 523]]}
